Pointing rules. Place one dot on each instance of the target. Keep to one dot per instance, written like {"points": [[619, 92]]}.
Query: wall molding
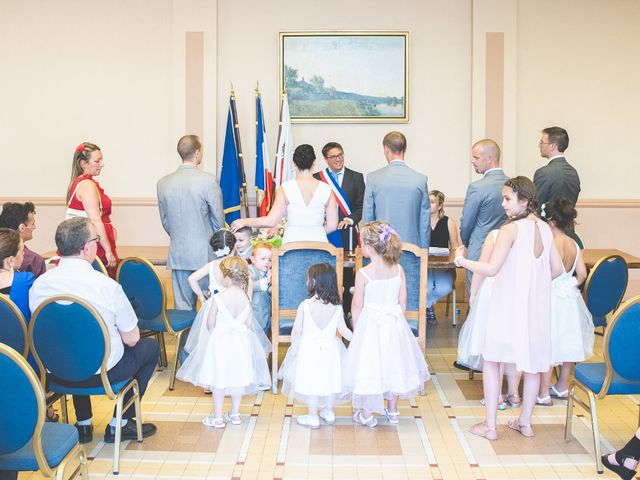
{"points": [[451, 202]]}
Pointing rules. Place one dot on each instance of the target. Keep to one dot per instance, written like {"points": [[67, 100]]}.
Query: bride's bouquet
{"points": [[271, 235]]}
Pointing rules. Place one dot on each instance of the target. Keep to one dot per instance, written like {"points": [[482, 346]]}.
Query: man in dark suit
{"points": [[557, 178], [351, 184]]}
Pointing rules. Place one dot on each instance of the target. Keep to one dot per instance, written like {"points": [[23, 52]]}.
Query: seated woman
{"points": [[444, 234], [13, 283], [308, 204]]}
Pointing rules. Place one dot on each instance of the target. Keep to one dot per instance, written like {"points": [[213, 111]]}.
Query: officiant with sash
{"points": [[348, 188]]}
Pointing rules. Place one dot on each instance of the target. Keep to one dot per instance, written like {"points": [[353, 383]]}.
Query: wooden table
{"points": [[592, 255]]}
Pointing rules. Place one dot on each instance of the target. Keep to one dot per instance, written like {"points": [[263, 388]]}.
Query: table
{"points": [[592, 255]]}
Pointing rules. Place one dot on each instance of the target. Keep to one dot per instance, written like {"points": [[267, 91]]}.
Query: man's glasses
{"points": [[340, 156], [97, 239]]}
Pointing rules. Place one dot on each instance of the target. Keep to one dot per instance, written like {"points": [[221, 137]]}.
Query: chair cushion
{"points": [[179, 320], [286, 325], [599, 321], [58, 388], [57, 440], [592, 376]]}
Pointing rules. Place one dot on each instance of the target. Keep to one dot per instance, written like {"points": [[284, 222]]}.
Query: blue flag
{"points": [[230, 178]]}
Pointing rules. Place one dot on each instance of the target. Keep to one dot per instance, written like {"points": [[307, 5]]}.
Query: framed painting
{"points": [[338, 77]]}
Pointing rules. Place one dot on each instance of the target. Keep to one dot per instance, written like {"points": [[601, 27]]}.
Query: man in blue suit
{"points": [[482, 210]]}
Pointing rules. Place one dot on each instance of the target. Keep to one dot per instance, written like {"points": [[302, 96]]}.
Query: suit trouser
{"points": [[138, 362], [183, 296]]}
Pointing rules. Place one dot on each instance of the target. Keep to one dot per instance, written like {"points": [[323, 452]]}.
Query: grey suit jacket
{"points": [[190, 203], [482, 211], [557, 179], [399, 195]]}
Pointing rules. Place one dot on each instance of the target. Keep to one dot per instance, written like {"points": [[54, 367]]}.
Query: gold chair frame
{"points": [[276, 312], [77, 452], [119, 397]]}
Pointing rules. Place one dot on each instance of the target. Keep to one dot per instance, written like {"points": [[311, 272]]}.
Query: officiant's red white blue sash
{"points": [[335, 237]]}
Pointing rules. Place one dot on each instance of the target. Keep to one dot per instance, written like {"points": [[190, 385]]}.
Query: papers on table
{"points": [[438, 251]]}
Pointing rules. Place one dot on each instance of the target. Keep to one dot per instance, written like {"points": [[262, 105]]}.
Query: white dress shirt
{"points": [[75, 276]]}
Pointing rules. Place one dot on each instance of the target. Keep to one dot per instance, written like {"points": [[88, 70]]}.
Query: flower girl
{"points": [[312, 369], [384, 361], [229, 360]]}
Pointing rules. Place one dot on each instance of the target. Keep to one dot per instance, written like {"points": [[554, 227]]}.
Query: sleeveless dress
{"points": [[199, 327], [572, 333], [75, 208], [305, 222], [230, 357], [313, 366], [473, 332], [384, 358], [440, 281], [519, 315]]}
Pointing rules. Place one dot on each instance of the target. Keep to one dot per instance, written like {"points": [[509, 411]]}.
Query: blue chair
{"points": [[605, 287], [99, 266], [619, 374], [27, 442], [291, 263], [70, 340], [13, 327], [414, 263], [145, 291]]}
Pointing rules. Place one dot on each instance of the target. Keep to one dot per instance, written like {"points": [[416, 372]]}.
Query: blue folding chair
{"points": [[619, 374], [605, 287], [291, 263], [27, 442], [145, 291], [99, 266], [414, 262], [70, 339]]}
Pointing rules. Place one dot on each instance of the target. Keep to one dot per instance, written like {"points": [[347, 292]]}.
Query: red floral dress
{"points": [[75, 208]]}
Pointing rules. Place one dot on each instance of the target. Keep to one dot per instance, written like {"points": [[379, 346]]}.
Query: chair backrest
{"points": [[99, 266], [414, 262], [70, 339], [22, 402], [13, 328], [289, 274], [605, 287], [142, 286]]}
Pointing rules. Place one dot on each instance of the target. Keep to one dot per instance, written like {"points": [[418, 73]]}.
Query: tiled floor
{"points": [[431, 441]]}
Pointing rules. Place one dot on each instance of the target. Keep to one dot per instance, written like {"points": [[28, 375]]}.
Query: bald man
{"points": [[482, 210]]}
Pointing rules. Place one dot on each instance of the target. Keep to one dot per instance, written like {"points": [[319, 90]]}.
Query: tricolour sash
{"points": [[335, 238]]}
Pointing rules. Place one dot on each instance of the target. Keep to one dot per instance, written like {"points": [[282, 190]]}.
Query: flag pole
{"points": [[236, 134], [254, 181]]}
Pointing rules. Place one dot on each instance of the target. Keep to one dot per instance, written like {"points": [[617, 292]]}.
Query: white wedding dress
{"points": [[305, 222]]}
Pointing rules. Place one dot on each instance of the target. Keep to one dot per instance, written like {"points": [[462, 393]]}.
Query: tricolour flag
{"points": [[284, 156], [264, 177], [231, 176]]}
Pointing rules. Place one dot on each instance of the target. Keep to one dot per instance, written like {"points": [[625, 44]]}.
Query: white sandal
{"points": [[392, 417], [234, 418], [211, 421], [367, 422], [544, 401], [555, 393]]}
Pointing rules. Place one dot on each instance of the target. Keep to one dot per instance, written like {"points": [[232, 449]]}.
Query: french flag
{"points": [[264, 177]]}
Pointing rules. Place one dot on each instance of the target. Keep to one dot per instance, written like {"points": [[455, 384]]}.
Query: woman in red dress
{"points": [[85, 198]]}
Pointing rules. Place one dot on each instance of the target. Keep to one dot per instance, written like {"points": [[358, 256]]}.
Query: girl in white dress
{"points": [[312, 369], [572, 334], [310, 208], [230, 360], [384, 361]]}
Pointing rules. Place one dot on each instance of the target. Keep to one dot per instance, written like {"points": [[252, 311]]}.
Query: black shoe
{"points": [[129, 432], [620, 469], [431, 316], [85, 433]]}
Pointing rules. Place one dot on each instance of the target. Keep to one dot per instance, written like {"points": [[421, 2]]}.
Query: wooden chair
{"points": [[414, 263], [289, 287]]}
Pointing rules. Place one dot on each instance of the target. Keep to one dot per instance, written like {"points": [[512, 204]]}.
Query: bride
{"points": [[308, 204]]}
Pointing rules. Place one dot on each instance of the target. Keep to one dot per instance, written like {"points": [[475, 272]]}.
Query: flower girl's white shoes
{"points": [[309, 421], [327, 416]]}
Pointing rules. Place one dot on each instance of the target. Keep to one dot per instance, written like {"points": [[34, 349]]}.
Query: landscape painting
{"points": [[346, 76]]}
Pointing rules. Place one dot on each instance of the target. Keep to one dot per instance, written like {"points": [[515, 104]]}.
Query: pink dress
{"points": [[519, 317]]}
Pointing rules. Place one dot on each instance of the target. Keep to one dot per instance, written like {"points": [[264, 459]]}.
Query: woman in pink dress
{"points": [[85, 198], [524, 261]]}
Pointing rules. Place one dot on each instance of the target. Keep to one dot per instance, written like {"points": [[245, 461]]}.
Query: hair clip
{"points": [[385, 234], [222, 252], [80, 148]]}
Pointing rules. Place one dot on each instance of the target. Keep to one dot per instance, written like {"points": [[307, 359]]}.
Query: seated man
{"points": [[22, 217], [130, 355]]}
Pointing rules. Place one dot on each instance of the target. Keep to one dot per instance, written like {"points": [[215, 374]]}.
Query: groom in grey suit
{"points": [[482, 210], [399, 195], [190, 203]]}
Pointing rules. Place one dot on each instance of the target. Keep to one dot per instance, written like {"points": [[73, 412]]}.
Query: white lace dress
{"points": [[572, 334], [305, 222], [384, 358], [313, 366], [230, 357]]}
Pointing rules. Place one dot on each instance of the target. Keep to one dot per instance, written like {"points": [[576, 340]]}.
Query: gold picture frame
{"points": [[346, 76]]}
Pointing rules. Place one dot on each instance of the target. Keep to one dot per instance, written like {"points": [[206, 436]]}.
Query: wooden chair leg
{"points": [[569, 418], [174, 367], [596, 431], [274, 367]]}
